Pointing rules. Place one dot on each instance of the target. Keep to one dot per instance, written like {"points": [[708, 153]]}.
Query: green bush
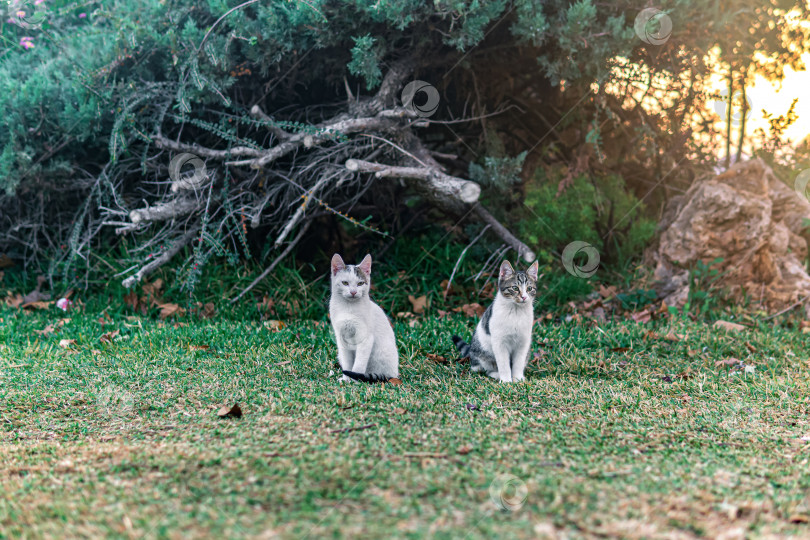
{"points": [[599, 211]]}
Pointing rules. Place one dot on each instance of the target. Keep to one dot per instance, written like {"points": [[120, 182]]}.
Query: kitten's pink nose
{"points": [[353, 292], [523, 298]]}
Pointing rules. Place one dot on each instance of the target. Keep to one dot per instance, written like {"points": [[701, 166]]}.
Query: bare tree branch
{"points": [[163, 142], [390, 86], [163, 258], [277, 260], [278, 132], [326, 131], [441, 183], [165, 211], [424, 156], [522, 249]]}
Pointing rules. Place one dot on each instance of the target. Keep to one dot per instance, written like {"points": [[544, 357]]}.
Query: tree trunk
{"points": [[728, 115], [744, 113]]}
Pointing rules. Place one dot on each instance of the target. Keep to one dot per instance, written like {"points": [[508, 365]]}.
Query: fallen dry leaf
{"points": [[591, 304], [405, 315], [290, 308], [266, 304], [109, 336], [273, 325], [199, 347], [685, 374], [727, 325], [488, 291], [208, 311], [14, 301], [37, 305], [67, 343], [641, 316], [607, 292], [36, 296], [153, 289], [437, 358], [50, 329], [447, 288], [419, 304], [395, 381], [464, 450], [170, 310], [443, 314], [131, 299], [472, 310], [5, 261], [727, 362], [399, 410], [233, 411]]}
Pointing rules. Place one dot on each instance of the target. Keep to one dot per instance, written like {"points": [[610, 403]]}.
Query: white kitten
{"points": [[501, 342], [367, 348]]}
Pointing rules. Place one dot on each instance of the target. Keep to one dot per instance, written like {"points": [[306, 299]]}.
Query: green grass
{"points": [[123, 440]]}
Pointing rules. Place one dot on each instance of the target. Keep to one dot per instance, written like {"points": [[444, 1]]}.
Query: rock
{"points": [[750, 219]]}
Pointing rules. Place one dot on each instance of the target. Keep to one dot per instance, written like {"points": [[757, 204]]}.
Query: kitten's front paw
{"points": [[343, 378], [518, 378], [506, 379]]}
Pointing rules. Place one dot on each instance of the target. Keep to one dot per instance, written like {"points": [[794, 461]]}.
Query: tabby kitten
{"points": [[367, 348], [501, 342]]}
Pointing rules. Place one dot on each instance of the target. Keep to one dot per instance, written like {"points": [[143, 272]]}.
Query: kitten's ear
{"points": [[337, 264], [532, 271], [365, 265], [506, 270]]}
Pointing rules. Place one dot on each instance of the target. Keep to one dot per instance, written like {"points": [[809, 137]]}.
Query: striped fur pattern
{"points": [[362, 377], [502, 339], [367, 347]]}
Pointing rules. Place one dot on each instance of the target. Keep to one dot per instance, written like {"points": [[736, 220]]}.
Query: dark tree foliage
{"points": [[230, 127]]}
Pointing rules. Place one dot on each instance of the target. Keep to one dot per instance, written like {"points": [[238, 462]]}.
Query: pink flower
{"points": [[27, 43], [64, 304], [38, 2], [82, 15]]}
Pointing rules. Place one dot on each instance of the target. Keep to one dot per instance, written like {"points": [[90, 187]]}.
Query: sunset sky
{"points": [[775, 98]]}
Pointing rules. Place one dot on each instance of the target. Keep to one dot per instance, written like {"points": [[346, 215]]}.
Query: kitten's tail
{"points": [[362, 377], [462, 346]]}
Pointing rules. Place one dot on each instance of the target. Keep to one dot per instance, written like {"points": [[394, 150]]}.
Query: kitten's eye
{"points": [[530, 289], [345, 282], [516, 289], [361, 283]]}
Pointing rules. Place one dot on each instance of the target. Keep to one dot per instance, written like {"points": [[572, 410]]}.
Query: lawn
{"points": [[670, 429]]}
